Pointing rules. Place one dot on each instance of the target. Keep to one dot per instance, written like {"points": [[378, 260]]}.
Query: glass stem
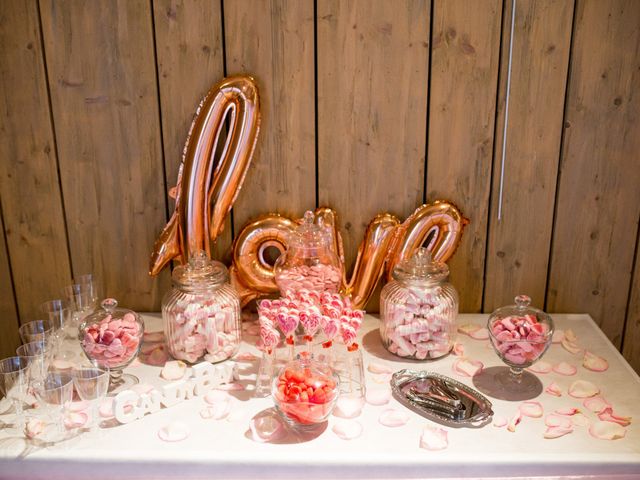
{"points": [[515, 374]]}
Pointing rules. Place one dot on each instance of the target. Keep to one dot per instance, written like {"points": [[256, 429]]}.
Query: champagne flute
{"points": [[92, 384], [13, 385]]}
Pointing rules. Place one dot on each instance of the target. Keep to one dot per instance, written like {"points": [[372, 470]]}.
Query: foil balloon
{"points": [[206, 190], [386, 242]]}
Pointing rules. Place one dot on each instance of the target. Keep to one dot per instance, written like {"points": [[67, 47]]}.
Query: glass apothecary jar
{"points": [[310, 262], [201, 313], [418, 309]]}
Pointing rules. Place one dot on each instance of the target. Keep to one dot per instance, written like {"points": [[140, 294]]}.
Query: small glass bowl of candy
{"points": [[112, 337], [305, 392], [520, 334]]}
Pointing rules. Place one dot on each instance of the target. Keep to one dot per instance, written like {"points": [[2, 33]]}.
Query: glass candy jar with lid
{"points": [[418, 309], [310, 262], [201, 313]]}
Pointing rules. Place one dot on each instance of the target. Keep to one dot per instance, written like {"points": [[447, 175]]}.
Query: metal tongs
{"points": [[439, 397]]}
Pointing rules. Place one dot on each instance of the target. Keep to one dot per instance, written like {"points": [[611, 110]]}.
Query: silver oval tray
{"points": [[441, 399]]}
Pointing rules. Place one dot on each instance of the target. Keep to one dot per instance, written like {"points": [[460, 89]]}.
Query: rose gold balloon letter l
{"points": [[206, 191]]}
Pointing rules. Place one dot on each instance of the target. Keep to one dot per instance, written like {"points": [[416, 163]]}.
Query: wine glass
{"points": [[61, 318], [55, 393], [92, 384], [82, 297], [37, 330], [13, 384]]}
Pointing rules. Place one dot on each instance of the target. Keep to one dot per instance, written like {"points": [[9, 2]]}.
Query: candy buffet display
{"points": [[309, 262], [418, 309], [201, 313], [112, 337]]}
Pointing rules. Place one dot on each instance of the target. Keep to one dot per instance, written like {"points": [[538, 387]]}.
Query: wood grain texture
{"points": [[190, 60], [273, 41], [598, 197], [104, 98], [464, 62], [518, 251], [31, 202], [9, 337], [372, 100], [631, 343]]}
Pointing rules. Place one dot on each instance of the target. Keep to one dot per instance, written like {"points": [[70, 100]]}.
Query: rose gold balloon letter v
{"points": [[206, 190]]}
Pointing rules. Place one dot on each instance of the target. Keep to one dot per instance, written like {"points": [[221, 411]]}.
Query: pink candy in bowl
{"points": [[112, 337], [520, 334]]}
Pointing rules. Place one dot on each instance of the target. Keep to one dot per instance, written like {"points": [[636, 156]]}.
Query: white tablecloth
{"points": [[224, 448]]}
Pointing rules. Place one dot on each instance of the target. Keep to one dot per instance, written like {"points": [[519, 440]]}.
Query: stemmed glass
{"points": [[36, 330], [92, 384], [38, 355], [13, 384], [55, 393], [82, 296], [60, 316]]}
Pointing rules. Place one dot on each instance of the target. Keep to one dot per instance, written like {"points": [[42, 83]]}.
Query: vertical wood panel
{"points": [[190, 60], [104, 98], [31, 201], [9, 337], [631, 344], [464, 62], [518, 251], [372, 97], [598, 197], [273, 41]]}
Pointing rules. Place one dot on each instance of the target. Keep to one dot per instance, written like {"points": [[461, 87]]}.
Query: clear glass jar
{"points": [[201, 313], [418, 309], [111, 337], [310, 262]]}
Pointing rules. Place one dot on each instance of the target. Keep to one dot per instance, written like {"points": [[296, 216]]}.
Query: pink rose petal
{"points": [[245, 357], [499, 421], [458, 349], [34, 427], [569, 335], [393, 418], [607, 430], [378, 396], [554, 389], [434, 438], [174, 432], [75, 420], [348, 406], [571, 347], [607, 415], [583, 389], [561, 421], [595, 404], [580, 420], [556, 432], [174, 370], [347, 429], [469, 328], [540, 367], [564, 368], [532, 409], [514, 421], [594, 362], [151, 337], [466, 367], [480, 334], [217, 411], [568, 411], [158, 357], [375, 367]]}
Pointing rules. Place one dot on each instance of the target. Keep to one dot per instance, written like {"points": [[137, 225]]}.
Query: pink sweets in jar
{"points": [[201, 313], [418, 309], [520, 334], [310, 262], [111, 337]]}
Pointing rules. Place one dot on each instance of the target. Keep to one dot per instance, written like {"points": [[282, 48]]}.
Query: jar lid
{"points": [[521, 308], [200, 272], [310, 235], [109, 309], [420, 266]]}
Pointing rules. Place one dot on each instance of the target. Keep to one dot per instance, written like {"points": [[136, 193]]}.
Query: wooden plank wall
{"points": [[368, 106]]}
